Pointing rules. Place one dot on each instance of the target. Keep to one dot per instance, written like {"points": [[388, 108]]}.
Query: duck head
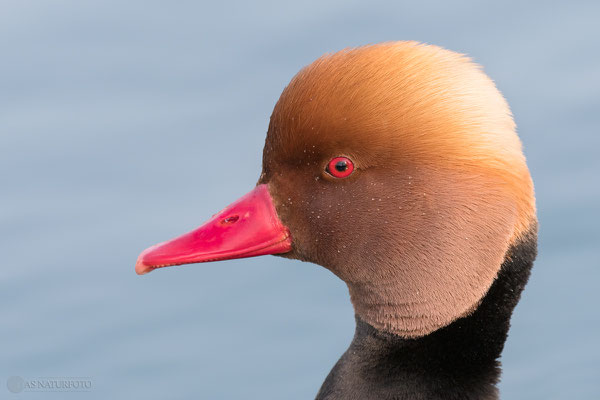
{"points": [[397, 167]]}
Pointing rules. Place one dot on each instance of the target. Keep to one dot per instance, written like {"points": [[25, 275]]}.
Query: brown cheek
{"points": [[333, 222], [418, 249], [291, 196], [319, 214]]}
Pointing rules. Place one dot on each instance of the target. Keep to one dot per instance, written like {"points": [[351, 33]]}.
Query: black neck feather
{"points": [[459, 361]]}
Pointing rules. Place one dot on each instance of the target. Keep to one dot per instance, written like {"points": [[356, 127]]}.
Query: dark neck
{"points": [[459, 361]]}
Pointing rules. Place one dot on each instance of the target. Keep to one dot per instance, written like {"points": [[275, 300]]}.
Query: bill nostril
{"points": [[230, 220]]}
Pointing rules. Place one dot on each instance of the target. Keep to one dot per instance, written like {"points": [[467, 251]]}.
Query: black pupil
{"points": [[341, 166]]}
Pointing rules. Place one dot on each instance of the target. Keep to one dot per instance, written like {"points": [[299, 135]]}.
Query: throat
{"points": [[458, 361]]}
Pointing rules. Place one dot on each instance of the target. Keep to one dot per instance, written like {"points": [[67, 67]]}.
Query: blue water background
{"points": [[124, 123]]}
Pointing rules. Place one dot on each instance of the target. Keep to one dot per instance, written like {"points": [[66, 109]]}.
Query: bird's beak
{"points": [[248, 227]]}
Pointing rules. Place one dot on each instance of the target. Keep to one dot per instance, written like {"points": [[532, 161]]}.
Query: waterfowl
{"points": [[397, 167]]}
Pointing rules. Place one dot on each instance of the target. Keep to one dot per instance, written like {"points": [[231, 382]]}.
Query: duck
{"points": [[396, 166]]}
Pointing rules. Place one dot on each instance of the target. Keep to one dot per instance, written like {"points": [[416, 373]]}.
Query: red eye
{"points": [[340, 167]]}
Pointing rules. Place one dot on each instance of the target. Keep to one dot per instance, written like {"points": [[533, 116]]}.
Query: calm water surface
{"points": [[126, 123]]}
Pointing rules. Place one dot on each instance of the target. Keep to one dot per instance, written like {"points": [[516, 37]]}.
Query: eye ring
{"points": [[340, 167]]}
